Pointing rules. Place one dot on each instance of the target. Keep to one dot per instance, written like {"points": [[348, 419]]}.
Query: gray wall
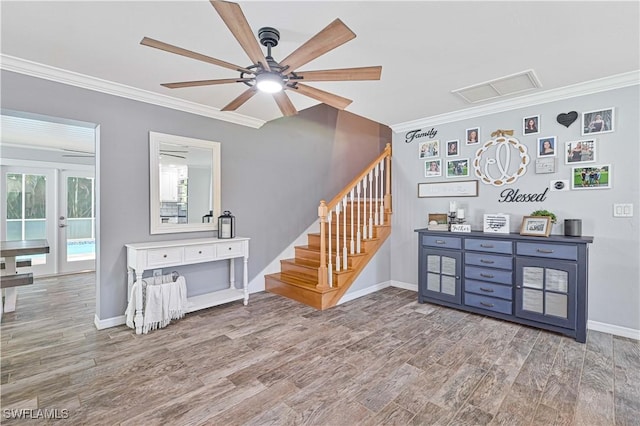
{"points": [[614, 274], [272, 178]]}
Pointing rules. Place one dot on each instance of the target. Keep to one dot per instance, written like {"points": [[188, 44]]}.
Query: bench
{"points": [[16, 280], [19, 264]]}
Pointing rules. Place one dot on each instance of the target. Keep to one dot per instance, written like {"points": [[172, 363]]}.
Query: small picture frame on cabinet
{"points": [[496, 223], [537, 226]]}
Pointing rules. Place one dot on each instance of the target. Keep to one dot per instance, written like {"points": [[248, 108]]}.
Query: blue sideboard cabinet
{"points": [[536, 281]]}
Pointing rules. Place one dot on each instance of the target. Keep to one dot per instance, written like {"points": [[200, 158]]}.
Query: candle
{"points": [[460, 213], [452, 206]]}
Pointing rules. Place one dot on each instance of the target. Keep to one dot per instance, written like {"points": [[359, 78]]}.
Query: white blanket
{"points": [[163, 300]]}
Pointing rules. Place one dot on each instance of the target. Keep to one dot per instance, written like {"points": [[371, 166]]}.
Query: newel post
{"points": [[387, 192], [322, 270]]}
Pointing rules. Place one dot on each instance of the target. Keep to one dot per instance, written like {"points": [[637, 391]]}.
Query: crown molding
{"points": [[59, 75], [594, 86]]}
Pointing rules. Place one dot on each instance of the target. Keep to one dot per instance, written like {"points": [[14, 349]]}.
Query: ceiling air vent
{"points": [[503, 86]]}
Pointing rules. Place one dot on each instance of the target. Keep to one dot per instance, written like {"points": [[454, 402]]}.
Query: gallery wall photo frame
{"points": [[453, 148], [581, 151], [598, 121], [433, 168], [547, 146], [460, 188], [457, 168], [591, 176], [429, 149], [536, 226], [472, 135], [531, 125]]}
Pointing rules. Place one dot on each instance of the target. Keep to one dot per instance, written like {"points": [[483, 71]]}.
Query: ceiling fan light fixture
{"points": [[269, 82]]}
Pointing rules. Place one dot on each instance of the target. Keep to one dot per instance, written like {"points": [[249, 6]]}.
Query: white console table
{"points": [[142, 257]]}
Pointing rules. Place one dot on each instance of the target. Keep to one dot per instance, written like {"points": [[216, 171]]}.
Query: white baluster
{"points": [[377, 194], [351, 245], [365, 234], [371, 202], [338, 264], [381, 193], [330, 266], [358, 236], [344, 232]]}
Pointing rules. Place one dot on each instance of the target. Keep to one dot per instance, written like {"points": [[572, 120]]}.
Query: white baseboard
{"points": [[109, 322], [363, 292], [406, 286], [616, 330]]}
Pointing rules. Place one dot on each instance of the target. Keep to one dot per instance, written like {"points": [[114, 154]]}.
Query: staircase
{"points": [[353, 226]]}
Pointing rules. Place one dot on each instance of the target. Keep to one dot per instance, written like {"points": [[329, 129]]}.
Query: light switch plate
{"points": [[623, 210]]}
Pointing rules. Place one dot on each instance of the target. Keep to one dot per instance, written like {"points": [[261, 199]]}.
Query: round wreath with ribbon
{"points": [[494, 162]]}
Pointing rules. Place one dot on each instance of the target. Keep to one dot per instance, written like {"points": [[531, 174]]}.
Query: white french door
{"points": [[28, 212], [76, 222]]}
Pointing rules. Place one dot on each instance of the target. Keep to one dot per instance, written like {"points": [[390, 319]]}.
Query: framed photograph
{"points": [[497, 223], [599, 121], [429, 149], [531, 125], [537, 226], [453, 148], [547, 146], [473, 135], [583, 151], [461, 188], [458, 168], [433, 168], [591, 177]]}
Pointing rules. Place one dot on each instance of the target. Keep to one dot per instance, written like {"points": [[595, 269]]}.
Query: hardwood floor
{"points": [[382, 359]]}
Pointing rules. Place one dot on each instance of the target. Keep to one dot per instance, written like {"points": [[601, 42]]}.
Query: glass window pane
{"points": [[557, 280], [35, 229], [433, 263], [14, 230], [532, 277], [556, 304], [448, 265], [35, 196], [448, 285], [433, 282], [79, 197], [14, 197], [532, 300]]}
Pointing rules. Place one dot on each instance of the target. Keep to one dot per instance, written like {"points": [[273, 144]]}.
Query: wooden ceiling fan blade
{"points": [[285, 104], [330, 99], [333, 35], [344, 74], [237, 23], [204, 82], [193, 55], [240, 100]]}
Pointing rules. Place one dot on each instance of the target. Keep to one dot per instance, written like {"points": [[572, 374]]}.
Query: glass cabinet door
{"points": [[440, 275], [545, 291]]}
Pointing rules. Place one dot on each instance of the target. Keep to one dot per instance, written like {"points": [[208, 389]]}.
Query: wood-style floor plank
{"points": [[382, 359]]}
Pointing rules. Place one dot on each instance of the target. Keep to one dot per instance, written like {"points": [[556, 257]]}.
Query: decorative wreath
{"points": [[502, 144]]}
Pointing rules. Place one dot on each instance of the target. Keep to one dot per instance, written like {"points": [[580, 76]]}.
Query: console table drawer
{"points": [[553, 251], [441, 242], [488, 289], [493, 261], [486, 274], [164, 256], [488, 303], [493, 246], [199, 253], [230, 249]]}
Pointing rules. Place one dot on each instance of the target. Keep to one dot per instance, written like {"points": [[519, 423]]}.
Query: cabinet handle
{"points": [[229, 248], [518, 287], [199, 251], [486, 245], [487, 261], [544, 251], [488, 305], [488, 290], [486, 275], [164, 255], [440, 242]]}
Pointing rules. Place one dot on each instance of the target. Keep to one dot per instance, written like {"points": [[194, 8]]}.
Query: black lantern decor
{"points": [[226, 225]]}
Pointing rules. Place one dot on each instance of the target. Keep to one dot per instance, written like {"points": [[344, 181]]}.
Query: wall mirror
{"points": [[184, 176]]}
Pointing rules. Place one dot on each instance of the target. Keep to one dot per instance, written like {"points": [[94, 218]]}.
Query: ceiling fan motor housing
{"points": [[269, 37]]}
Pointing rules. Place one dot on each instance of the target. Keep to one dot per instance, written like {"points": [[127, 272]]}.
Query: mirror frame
{"points": [[156, 225]]}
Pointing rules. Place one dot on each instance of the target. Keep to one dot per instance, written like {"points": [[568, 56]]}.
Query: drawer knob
{"points": [[488, 290], [488, 305], [229, 248], [486, 261], [486, 275], [544, 251], [486, 245], [164, 255], [440, 242], [199, 251]]}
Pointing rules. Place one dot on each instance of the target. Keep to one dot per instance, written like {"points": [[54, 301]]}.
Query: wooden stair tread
{"points": [[299, 281]]}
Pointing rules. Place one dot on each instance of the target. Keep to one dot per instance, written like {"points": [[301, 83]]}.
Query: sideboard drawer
{"points": [[488, 303], [441, 242], [490, 260], [488, 289], [164, 256], [552, 251], [230, 249], [486, 274], [200, 253], [493, 246]]}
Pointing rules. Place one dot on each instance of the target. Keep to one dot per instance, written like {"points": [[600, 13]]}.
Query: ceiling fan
{"points": [[268, 75], [78, 154]]}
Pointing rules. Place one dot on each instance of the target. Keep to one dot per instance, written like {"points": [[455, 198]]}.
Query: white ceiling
{"points": [[426, 49]]}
